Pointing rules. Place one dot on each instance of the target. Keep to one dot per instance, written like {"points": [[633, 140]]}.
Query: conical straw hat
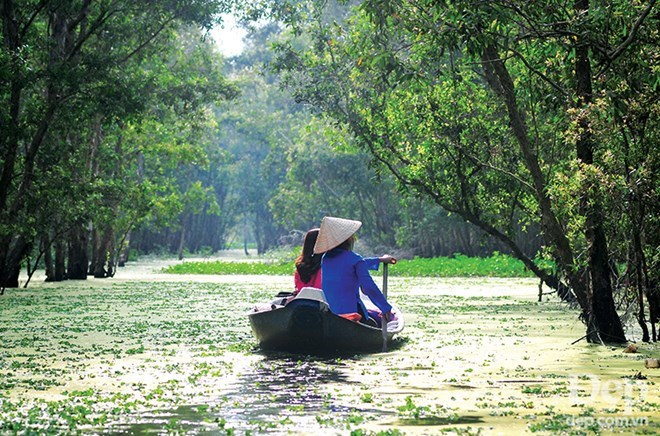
{"points": [[333, 232]]}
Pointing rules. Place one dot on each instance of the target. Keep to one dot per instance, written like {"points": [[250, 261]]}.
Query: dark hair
{"points": [[308, 262]]}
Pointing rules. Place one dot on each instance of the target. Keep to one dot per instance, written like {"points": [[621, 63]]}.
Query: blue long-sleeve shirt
{"points": [[344, 273]]}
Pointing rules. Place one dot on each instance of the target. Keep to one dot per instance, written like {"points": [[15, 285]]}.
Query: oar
{"points": [[385, 316]]}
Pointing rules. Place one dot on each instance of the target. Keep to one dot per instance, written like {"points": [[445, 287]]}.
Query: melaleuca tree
{"points": [[251, 131], [158, 159], [491, 109], [327, 175], [56, 57], [291, 169]]}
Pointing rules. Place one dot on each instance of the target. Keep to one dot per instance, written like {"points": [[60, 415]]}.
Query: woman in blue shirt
{"points": [[345, 272]]}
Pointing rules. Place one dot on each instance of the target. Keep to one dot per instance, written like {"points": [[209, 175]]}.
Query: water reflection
{"points": [[276, 394], [282, 385]]}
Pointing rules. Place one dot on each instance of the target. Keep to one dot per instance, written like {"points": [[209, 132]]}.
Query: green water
{"points": [[152, 353]]}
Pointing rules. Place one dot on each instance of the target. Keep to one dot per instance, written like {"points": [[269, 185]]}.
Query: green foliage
{"points": [[221, 267], [498, 265], [89, 93], [427, 117], [289, 169], [471, 106]]}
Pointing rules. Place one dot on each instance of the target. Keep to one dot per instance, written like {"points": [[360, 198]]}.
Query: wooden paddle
{"points": [[385, 316]]}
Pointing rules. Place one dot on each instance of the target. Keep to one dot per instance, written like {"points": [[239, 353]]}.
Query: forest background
{"points": [[455, 127]]}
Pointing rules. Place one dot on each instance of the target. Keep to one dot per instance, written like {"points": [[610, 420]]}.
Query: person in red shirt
{"points": [[308, 264]]}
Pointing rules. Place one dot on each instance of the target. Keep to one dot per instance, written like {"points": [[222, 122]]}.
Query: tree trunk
{"points": [[182, 241], [60, 255], [78, 263], [258, 234], [12, 251], [92, 260], [96, 267], [102, 266], [48, 259], [124, 251], [637, 263], [10, 278], [605, 324], [55, 266], [13, 248], [653, 298], [500, 81], [246, 233], [596, 301], [9, 140], [111, 252]]}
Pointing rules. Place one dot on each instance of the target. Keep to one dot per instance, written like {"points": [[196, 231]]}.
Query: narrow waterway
{"points": [[146, 352]]}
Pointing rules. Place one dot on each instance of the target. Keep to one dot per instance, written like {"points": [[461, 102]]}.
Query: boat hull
{"points": [[310, 329]]}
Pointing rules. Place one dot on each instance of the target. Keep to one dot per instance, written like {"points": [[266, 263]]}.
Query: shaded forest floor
{"points": [[168, 353]]}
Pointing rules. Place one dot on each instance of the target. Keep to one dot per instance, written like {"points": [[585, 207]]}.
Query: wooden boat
{"points": [[305, 324]]}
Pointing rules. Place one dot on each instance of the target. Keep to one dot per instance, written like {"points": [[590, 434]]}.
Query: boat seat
{"points": [[310, 297]]}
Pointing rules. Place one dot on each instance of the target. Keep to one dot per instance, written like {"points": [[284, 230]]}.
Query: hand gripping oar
{"points": [[385, 316]]}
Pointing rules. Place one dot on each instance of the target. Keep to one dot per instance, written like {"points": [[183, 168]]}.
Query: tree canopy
{"points": [[77, 79], [508, 113]]}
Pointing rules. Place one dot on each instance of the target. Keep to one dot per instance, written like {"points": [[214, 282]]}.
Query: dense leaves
{"points": [[87, 89], [506, 114]]}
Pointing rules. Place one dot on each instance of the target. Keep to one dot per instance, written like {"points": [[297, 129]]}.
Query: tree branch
{"points": [[84, 36], [147, 42], [30, 20], [84, 8], [612, 56], [539, 73], [616, 53]]}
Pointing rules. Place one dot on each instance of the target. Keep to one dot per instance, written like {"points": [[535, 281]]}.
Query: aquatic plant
{"points": [[497, 265]]}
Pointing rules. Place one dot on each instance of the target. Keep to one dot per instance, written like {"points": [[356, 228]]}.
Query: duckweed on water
{"points": [[177, 356]]}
